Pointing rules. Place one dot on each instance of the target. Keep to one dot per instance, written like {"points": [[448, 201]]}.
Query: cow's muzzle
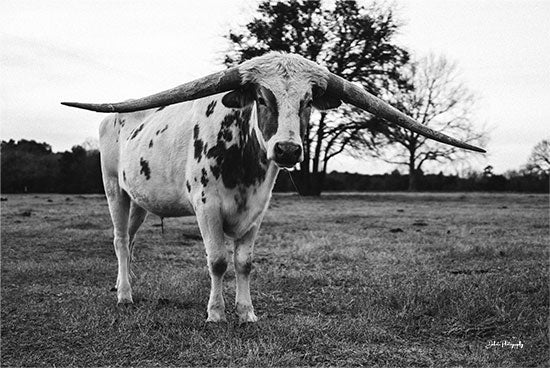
{"points": [[287, 154]]}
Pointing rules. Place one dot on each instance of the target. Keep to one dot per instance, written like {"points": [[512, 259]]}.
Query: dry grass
{"points": [[344, 280]]}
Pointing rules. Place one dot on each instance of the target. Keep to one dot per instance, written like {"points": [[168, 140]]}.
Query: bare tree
{"points": [[90, 144], [434, 96], [539, 161]]}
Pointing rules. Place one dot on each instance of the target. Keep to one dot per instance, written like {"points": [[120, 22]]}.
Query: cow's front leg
{"points": [[210, 224], [119, 206], [243, 254]]}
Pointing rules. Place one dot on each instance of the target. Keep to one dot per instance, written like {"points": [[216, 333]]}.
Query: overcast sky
{"points": [[98, 51]]}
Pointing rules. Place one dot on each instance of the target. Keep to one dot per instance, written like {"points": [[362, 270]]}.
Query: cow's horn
{"points": [[357, 96], [206, 86]]}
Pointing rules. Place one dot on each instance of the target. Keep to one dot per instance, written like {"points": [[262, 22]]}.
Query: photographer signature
{"points": [[514, 344]]}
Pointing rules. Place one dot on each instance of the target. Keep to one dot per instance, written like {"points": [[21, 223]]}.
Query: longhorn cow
{"points": [[213, 148]]}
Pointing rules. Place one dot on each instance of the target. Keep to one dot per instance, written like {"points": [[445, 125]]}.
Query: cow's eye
{"points": [[261, 101]]}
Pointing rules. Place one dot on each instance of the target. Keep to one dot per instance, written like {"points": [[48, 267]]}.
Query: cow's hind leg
{"points": [[119, 207], [137, 216], [211, 227], [243, 254]]}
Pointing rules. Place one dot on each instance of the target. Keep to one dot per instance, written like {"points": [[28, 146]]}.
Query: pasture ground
{"points": [[343, 280]]}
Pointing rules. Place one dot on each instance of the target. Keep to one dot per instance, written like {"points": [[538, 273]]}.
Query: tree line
{"points": [[29, 166], [512, 181]]}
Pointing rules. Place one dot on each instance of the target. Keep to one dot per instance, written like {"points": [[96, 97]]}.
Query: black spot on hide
{"points": [[161, 130], [150, 143], [145, 168], [203, 197], [268, 118], [247, 268], [215, 171], [210, 108], [123, 175], [240, 199], [198, 150], [119, 121], [188, 185], [226, 135], [204, 177], [198, 144], [136, 131], [217, 153], [242, 163], [219, 267]]}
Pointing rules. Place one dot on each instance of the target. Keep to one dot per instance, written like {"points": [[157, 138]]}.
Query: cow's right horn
{"points": [[212, 84], [357, 96]]}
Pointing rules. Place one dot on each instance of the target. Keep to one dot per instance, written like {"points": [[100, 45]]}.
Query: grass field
{"points": [[344, 280]]}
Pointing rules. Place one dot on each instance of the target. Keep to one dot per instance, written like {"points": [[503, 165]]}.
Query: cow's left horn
{"points": [[212, 84], [355, 95]]}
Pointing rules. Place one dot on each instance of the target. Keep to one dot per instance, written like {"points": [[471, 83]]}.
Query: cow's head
{"points": [[284, 88]]}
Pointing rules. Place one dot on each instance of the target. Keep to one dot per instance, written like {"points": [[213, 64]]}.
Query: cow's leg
{"points": [[210, 224], [119, 206], [137, 216], [243, 254]]}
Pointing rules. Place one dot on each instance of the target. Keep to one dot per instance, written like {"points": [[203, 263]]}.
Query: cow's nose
{"points": [[287, 154]]}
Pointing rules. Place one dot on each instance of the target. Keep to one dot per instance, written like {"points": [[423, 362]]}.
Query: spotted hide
{"points": [[217, 158]]}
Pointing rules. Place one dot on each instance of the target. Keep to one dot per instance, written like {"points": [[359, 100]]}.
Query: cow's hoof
{"points": [[216, 316], [124, 296], [125, 301], [248, 318], [246, 314]]}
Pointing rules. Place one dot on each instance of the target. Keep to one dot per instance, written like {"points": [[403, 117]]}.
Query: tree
{"points": [[351, 41], [90, 144], [434, 96], [539, 161], [80, 171], [28, 166]]}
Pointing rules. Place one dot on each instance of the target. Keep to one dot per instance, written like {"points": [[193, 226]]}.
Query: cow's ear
{"points": [[239, 98], [322, 100]]}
